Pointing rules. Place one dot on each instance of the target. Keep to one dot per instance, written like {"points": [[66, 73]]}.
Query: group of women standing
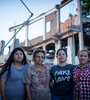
{"points": [[71, 82], [40, 82]]}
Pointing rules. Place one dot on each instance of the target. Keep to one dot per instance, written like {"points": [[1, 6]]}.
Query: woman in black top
{"points": [[61, 74]]}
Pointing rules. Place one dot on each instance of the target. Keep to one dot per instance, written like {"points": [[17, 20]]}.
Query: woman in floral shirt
{"points": [[37, 78], [81, 77]]}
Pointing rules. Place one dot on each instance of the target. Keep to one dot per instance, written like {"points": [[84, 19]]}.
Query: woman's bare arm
{"points": [[28, 91], [2, 83]]}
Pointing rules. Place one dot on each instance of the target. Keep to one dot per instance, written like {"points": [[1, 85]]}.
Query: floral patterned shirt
{"points": [[39, 82]]}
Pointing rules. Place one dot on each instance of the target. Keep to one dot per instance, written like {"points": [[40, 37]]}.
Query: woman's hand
{"points": [[28, 91], [52, 83], [2, 88]]}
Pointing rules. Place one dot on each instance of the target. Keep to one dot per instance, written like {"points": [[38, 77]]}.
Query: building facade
{"points": [[73, 34]]}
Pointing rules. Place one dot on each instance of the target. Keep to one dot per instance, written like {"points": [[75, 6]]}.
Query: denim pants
{"points": [[65, 97], [0, 97]]}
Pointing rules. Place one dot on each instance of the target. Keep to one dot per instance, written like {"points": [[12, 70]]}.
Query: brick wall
{"points": [[36, 40], [69, 22], [52, 18], [33, 41]]}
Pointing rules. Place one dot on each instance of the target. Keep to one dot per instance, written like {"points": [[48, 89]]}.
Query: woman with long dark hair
{"points": [[11, 75]]}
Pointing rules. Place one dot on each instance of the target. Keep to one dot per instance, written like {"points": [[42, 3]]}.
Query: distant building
{"points": [[73, 34], [3, 59], [2, 44]]}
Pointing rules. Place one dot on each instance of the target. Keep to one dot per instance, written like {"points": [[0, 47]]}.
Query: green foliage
{"points": [[70, 15], [85, 7]]}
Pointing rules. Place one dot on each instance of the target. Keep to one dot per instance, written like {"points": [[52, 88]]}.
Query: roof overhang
{"points": [[39, 44]]}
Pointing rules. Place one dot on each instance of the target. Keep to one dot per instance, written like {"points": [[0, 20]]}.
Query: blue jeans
{"points": [[65, 97], [0, 97]]}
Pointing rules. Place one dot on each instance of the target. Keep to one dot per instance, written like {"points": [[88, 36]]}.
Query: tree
{"points": [[70, 15], [85, 4]]}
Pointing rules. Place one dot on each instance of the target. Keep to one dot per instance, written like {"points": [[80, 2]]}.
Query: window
{"points": [[48, 27]]}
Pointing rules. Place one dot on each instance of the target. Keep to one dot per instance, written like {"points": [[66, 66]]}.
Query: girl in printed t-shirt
{"points": [[61, 74]]}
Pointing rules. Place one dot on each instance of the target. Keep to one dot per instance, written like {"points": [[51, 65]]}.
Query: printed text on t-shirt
{"points": [[63, 75]]}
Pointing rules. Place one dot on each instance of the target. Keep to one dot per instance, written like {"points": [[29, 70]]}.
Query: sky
{"points": [[13, 12]]}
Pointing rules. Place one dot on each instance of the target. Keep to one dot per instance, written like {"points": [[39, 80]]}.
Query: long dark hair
{"points": [[7, 65]]}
